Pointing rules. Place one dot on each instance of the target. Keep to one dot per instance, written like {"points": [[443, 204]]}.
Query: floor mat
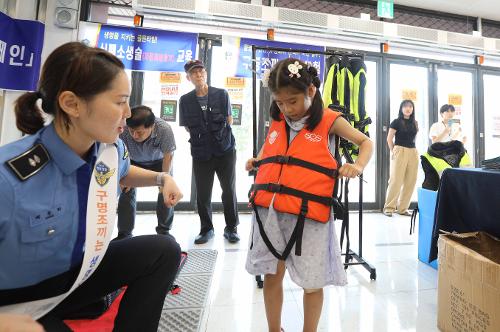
{"points": [[183, 312]]}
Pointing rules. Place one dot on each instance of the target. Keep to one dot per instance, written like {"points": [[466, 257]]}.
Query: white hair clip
{"points": [[265, 78], [294, 68]]}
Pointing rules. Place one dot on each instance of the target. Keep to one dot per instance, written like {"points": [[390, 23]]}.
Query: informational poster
{"points": [[21, 43], [169, 91], [495, 126], [409, 94], [236, 113], [266, 58], [235, 87], [140, 48], [455, 99], [169, 110]]}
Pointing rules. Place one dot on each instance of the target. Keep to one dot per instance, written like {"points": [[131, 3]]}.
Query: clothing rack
{"points": [[349, 254]]}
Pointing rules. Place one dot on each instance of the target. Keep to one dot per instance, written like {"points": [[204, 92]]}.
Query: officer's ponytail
{"points": [[29, 118], [85, 71]]}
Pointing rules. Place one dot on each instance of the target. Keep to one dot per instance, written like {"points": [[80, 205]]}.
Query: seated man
{"points": [[151, 144]]}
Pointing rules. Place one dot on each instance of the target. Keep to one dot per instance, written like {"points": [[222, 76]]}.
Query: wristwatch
{"points": [[160, 179]]}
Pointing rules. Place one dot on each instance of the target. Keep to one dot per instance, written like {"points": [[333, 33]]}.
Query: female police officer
{"points": [[56, 215]]}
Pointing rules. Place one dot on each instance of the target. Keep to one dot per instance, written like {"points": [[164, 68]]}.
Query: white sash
{"points": [[101, 215]]}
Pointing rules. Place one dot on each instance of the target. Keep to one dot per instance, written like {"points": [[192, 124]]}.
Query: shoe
{"points": [[406, 213], [204, 237], [231, 235], [387, 213], [160, 231], [122, 236]]}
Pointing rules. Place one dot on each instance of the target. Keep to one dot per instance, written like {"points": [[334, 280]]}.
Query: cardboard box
{"points": [[469, 283]]}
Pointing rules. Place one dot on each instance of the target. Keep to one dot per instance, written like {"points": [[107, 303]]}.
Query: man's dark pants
{"points": [[204, 171], [127, 207]]}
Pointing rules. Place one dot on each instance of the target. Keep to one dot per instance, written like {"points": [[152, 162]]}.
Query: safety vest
{"points": [[440, 165], [439, 157], [345, 90], [303, 170]]}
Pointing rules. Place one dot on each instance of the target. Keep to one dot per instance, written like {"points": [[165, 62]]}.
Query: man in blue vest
{"points": [[205, 112]]}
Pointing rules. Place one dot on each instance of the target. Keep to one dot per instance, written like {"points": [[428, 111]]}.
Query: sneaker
{"points": [[231, 235], [387, 213], [204, 237], [406, 213]]}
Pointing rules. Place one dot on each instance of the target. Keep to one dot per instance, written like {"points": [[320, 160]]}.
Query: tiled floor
{"points": [[403, 298]]}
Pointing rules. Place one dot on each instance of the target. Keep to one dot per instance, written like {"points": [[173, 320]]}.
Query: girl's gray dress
{"points": [[320, 263]]}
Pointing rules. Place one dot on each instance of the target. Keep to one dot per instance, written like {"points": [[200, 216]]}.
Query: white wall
{"points": [[54, 36]]}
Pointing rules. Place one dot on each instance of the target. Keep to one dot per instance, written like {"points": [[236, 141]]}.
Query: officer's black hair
{"points": [[446, 108], [85, 71], [141, 116], [280, 78]]}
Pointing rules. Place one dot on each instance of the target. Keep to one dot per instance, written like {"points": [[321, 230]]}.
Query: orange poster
{"points": [[169, 77], [409, 94], [455, 99], [235, 82]]}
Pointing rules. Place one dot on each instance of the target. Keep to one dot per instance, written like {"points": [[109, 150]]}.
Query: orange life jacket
{"points": [[301, 175]]}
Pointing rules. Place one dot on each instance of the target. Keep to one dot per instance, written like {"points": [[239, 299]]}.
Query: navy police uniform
{"points": [[213, 151], [43, 201]]}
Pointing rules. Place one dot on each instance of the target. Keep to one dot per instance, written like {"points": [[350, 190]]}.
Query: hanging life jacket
{"points": [[440, 156], [298, 178], [345, 91]]}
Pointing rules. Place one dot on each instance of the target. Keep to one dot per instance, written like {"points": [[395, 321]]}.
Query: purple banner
{"points": [[21, 43]]}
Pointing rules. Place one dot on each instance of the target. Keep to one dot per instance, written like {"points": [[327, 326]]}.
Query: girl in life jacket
{"points": [[293, 192]]}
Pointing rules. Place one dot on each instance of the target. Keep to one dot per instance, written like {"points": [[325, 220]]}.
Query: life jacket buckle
{"points": [[274, 187], [283, 159]]}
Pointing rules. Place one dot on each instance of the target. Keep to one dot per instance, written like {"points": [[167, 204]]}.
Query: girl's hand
{"points": [[350, 170], [249, 164]]}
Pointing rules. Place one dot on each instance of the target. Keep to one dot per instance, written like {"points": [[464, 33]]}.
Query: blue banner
{"points": [[21, 44], [148, 49], [265, 59]]}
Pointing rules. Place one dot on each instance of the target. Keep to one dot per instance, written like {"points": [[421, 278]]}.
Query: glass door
{"points": [[411, 82], [369, 174], [222, 75], [491, 116], [456, 88], [161, 92]]}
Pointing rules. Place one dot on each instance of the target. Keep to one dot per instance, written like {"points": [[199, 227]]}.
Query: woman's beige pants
{"points": [[404, 168]]}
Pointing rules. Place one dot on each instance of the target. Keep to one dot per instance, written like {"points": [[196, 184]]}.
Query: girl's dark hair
{"points": [[446, 108], [279, 78], [141, 116], [412, 116], [75, 67]]}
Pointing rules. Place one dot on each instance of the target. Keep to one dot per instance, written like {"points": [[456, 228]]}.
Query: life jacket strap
{"points": [[281, 189], [288, 160]]}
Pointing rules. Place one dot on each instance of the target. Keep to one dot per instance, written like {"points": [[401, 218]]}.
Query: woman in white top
{"points": [[448, 129]]}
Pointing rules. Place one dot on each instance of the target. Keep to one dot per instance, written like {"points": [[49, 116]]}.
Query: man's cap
{"points": [[193, 64]]}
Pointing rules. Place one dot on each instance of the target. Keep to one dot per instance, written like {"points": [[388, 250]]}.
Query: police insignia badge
{"points": [[102, 173]]}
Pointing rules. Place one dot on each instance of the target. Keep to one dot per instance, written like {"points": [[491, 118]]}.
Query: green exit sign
{"points": [[385, 8]]}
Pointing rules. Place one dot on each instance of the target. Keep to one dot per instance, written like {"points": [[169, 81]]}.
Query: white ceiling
{"points": [[488, 9]]}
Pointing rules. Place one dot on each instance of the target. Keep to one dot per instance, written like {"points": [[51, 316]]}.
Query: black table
{"points": [[468, 200]]}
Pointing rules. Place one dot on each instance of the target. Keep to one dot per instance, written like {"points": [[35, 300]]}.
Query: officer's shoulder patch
{"points": [[125, 150], [29, 162]]}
